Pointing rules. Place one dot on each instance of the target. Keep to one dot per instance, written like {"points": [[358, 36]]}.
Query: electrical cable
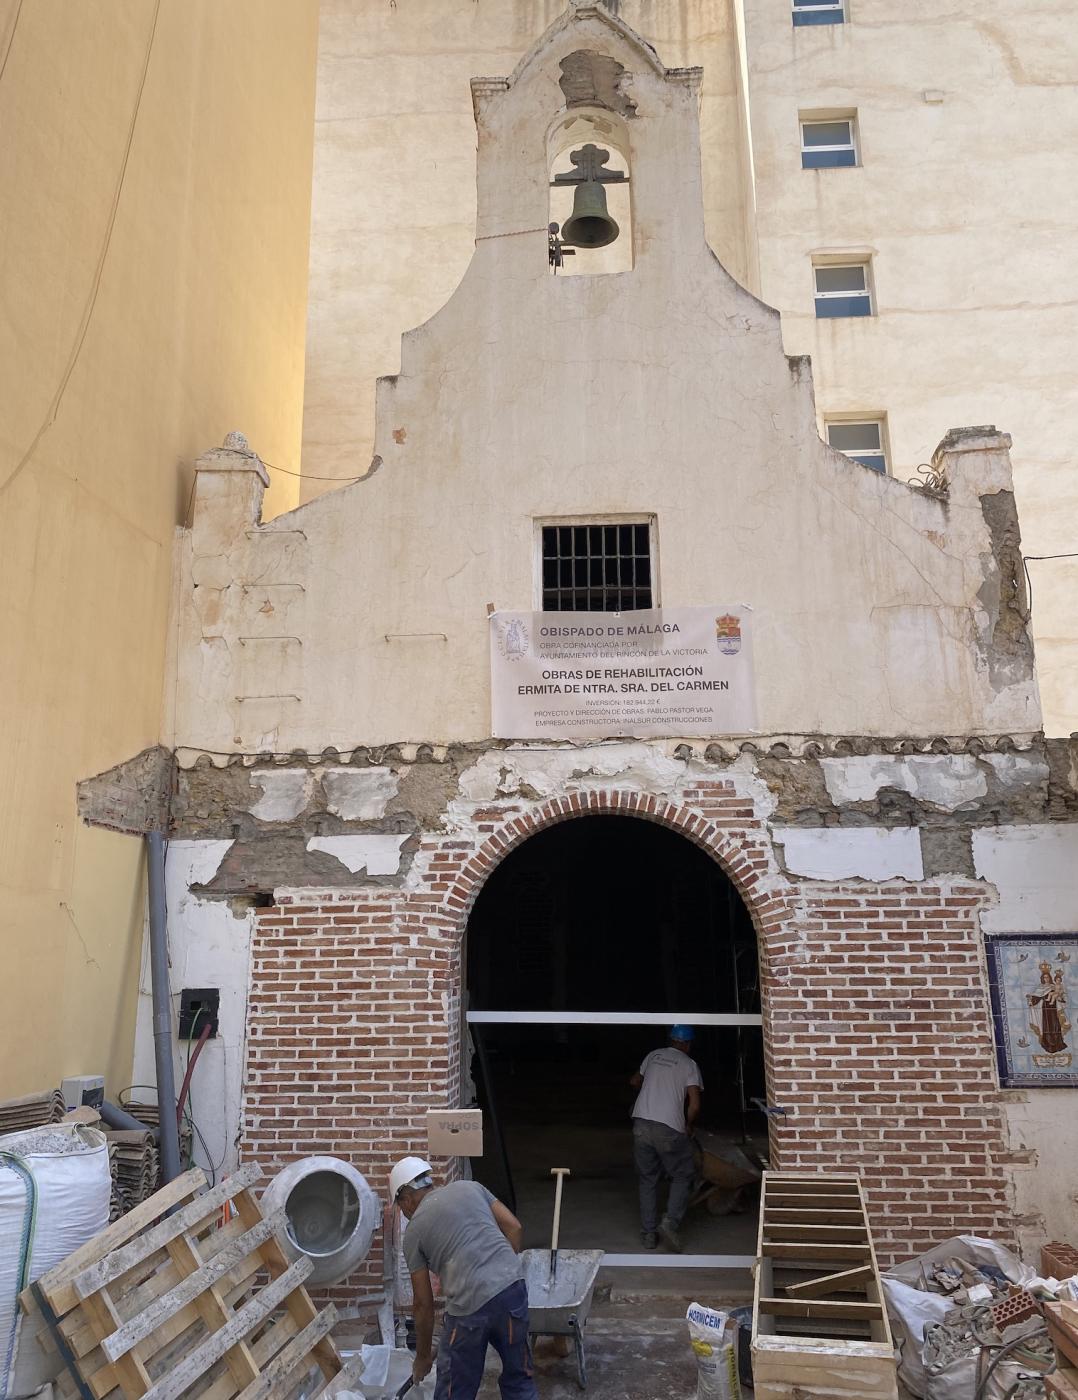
{"points": [[1036, 558], [99, 269], [308, 476], [1002, 1354], [185, 1087], [213, 1166], [11, 39]]}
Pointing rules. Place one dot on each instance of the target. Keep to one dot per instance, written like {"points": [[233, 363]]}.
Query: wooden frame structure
{"points": [[819, 1323], [1062, 1320], [203, 1302]]}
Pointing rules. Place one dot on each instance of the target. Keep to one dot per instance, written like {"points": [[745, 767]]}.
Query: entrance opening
{"points": [[611, 914]]}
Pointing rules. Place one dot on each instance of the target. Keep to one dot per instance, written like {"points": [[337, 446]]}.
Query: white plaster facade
{"points": [[663, 391], [957, 198], [208, 947]]}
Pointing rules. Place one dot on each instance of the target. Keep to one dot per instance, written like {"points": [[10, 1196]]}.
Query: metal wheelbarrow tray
{"points": [[559, 1307]]}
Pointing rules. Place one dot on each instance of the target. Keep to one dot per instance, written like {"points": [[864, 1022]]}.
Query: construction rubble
{"points": [[969, 1321]]}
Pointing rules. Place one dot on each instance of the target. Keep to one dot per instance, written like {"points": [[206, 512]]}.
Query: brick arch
{"points": [[741, 853]]}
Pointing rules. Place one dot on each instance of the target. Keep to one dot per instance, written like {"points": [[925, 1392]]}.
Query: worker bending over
{"points": [[664, 1114], [471, 1241]]}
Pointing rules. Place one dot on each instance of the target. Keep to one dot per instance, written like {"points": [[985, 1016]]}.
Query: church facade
{"points": [[624, 434]]}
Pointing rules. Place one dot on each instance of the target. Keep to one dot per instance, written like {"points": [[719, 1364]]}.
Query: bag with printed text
{"points": [[713, 1337]]}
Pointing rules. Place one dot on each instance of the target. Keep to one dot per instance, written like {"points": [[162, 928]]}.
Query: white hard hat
{"points": [[405, 1172]]}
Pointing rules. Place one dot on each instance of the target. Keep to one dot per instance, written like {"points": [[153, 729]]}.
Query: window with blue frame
{"points": [[828, 144], [863, 442], [842, 289], [818, 11]]}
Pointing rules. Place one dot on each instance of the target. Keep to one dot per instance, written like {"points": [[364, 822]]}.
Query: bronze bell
{"points": [[589, 225]]}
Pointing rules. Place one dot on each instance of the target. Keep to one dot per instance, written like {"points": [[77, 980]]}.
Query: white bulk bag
{"points": [[64, 1203]]}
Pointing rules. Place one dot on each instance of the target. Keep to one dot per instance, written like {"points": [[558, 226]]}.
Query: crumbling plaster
{"points": [[1033, 868], [663, 391], [394, 794]]}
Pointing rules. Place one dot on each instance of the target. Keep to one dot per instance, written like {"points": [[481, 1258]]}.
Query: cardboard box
{"points": [[455, 1132]]}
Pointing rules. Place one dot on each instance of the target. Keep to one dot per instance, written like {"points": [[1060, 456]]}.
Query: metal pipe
{"points": [[117, 1118], [169, 1142]]}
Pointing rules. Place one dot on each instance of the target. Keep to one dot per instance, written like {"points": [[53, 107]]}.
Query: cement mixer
{"points": [[331, 1211]]}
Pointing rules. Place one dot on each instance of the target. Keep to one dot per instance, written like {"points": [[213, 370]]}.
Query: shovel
{"points": [[560, 1173]]}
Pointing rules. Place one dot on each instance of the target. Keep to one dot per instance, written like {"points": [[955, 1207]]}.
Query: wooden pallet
{"points": [[823, 1330], [161, 1305], [1062, 1384], [1062, 1321]]}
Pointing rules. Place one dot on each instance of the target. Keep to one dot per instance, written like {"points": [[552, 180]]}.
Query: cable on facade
{"points": [[309, 476], [11, 40], [99, 270], [1036, 557]]}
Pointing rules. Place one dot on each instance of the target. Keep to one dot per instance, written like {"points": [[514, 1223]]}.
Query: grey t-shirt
{"points": [[667, 1074], [455, 1235]]}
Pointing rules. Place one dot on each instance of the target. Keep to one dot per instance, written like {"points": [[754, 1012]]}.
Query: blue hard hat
{"points": [[681, 1032]]}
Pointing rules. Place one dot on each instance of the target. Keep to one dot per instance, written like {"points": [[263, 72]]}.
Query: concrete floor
{"points": [[600, 1207], [635, 1350]]}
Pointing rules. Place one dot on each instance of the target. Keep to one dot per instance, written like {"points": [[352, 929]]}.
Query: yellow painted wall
{"points": [[155, 171]]}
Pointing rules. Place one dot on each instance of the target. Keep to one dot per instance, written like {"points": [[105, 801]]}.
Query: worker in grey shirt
{"points": [[664, 1113], [472, 1242]]}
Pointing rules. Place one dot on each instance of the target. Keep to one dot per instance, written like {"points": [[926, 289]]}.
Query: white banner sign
{"points": [[664, 672]]}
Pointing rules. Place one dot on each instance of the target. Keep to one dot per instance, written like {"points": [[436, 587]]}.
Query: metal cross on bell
{"points": [[589, 225]]}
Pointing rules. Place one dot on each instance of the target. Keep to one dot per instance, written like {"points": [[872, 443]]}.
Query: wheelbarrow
{"points": [[560, 1285]]}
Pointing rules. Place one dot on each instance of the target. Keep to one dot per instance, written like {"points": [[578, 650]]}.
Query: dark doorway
{"points": [[614, 914]]}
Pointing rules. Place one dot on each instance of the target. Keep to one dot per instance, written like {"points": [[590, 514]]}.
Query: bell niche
{"points": [[590, 194]]}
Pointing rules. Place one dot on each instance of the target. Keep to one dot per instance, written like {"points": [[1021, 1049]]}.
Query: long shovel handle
{"points": [[560, 1173]]}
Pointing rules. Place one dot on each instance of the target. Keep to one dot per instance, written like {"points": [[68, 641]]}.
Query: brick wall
{"points": [[876, 1022]]}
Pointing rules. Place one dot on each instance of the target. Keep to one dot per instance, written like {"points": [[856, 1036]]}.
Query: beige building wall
{"points": [[960, 202], [393, 221], [154, 180]]}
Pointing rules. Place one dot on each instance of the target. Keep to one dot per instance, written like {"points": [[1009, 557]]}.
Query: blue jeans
{"points": [[658, 1151], [462, 1348]]}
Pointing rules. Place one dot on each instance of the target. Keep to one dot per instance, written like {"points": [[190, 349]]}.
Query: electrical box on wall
{"points": [[199, 1007], [83, 1091]]}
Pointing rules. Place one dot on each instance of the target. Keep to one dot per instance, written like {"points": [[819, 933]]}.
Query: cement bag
{"points": [[713, 1337], [55, 1192]]}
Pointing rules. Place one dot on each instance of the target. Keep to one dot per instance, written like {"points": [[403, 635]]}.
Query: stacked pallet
{"points": [[159, 1305], [1062, 1320], [819, 1325], [33, 1111]]}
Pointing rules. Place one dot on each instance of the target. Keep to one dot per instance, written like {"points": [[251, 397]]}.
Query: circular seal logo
{"points": [[513, 639]]}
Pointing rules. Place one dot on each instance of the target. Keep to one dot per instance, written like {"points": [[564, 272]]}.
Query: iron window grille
{"points": [[818, 12], [596, 566], [842, 290], [862, 442], [828, 144]]}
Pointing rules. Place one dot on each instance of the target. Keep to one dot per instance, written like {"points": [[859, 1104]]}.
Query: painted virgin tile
{"points": [[1033, 979]]}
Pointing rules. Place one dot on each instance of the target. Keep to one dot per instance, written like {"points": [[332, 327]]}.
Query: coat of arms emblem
{"points": [[728, 633], [514, 639]]}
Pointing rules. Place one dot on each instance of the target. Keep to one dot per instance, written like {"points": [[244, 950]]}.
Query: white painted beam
{"points": [[613, 1018], [678, 1261]]}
